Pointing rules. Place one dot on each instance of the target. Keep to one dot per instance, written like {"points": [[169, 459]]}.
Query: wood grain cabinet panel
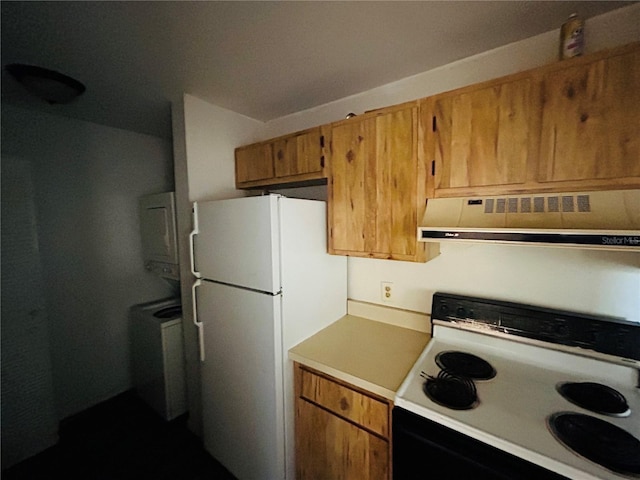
{"points": [[351, 149], [567, 126], [291, 160], [341, 433], [299, 154], [482, 136], [364, 410], [254, 163], [377, 187], [590, 126]]}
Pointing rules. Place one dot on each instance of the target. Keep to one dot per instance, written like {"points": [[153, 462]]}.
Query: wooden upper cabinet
{"points": [[254, 163], [568, 126], [347, 180], [288, 160], [299, 154], [376, 187], [481, 136], [590, 127]]}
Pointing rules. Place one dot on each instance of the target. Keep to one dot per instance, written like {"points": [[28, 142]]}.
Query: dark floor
{"points": [[121, 439]]}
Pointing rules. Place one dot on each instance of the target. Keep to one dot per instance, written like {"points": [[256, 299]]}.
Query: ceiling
{"points": [[262, 59]]}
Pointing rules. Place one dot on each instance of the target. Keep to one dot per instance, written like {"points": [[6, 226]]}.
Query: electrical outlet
{"points": [[386, 291]]}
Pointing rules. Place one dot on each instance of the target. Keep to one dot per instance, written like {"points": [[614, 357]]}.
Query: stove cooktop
{"points": [[531, 383]]}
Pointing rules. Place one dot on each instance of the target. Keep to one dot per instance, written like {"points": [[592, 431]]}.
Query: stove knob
{"points": [[444, 309], [461, 312]]}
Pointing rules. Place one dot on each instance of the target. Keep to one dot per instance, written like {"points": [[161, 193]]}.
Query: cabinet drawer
{"points": [[361, 409]]}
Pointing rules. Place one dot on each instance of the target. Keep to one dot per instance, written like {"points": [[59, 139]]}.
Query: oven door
{"points": [[424, 449]]}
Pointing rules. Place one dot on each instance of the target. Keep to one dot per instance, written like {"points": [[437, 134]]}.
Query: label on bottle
{"points": [[572, 38]]}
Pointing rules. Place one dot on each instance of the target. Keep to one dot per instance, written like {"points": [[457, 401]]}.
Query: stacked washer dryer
{"points": [[157, 347]]}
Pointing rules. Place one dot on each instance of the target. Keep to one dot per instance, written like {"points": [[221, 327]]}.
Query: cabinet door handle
{"points": [[433, 124], [433, 168]]}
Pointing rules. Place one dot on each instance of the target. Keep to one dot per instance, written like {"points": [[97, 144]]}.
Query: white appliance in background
{"points": [[265, 284], [158, 230], [157, 352]]}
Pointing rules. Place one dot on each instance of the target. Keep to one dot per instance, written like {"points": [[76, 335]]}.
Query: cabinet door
{"points": [[341, 432], [375, 185], [331, 448], [590, 126], [299, 154], [482, 136], [352, 158], [253, 162]]}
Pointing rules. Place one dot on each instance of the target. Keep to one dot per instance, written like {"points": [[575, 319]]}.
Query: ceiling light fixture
{"points": [[49, 85]]}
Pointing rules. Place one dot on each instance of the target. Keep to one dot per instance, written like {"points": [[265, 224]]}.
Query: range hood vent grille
{"points": [[537, 204]]}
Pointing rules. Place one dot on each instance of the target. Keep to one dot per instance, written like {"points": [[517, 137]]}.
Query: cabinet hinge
{"points": [[433, 168], [321, 141], [433, 123]]}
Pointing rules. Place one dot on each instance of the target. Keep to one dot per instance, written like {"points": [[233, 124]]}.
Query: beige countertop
{"points": [[369, 354]]}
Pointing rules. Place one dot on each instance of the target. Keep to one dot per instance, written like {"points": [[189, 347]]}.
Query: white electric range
{"points": [[556, 391]]}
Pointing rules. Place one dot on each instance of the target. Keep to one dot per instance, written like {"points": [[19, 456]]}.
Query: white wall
{"points": [[204, 139], [87, 181], [594, 282], [211, 135], [29, 423], [606, 283]]}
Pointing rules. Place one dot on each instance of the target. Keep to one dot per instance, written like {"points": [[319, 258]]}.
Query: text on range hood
{"points": [[608, 220]]}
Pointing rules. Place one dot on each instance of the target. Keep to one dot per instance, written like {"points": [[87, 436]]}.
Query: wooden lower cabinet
{"points": [[342, 432]]}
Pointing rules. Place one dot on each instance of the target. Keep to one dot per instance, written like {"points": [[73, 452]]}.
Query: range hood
{"points": [[605, 220]]}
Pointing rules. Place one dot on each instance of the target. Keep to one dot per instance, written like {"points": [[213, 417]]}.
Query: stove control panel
{"points": [[611, 336]]}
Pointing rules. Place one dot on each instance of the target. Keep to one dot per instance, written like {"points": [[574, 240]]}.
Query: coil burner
{"points": [[598, 441], [466, 365], [595, 397], [452, 391]]}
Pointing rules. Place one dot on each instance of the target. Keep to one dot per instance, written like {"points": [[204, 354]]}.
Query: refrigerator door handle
{"points": [[195, 231], [196, 322]]}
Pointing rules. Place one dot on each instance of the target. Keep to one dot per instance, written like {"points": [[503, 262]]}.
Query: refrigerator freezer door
{"points": [[238, 242], [242, 404]]}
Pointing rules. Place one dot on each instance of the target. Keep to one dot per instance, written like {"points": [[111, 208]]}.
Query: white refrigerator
{"points": [[265, 283]]}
